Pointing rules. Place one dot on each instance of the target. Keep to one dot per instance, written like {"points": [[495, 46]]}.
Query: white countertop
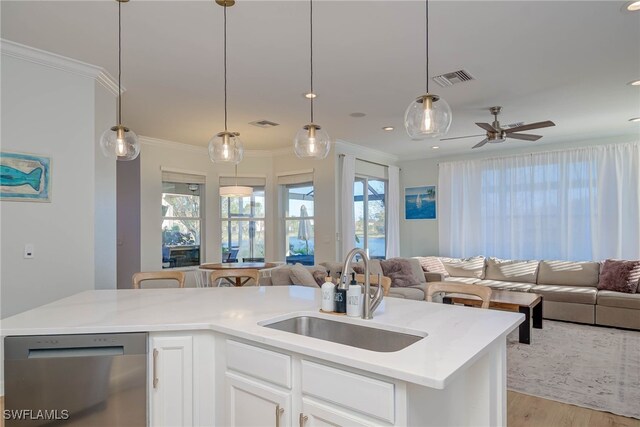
{"points": [[456, 335]]}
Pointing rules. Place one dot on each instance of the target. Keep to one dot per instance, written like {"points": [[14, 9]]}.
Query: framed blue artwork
{"points": [[25, 177], [420, 202]]}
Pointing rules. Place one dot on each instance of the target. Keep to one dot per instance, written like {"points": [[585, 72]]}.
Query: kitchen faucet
{"points": [[370, 302]]}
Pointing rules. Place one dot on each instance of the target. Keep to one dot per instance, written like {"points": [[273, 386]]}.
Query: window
{"points": [[181, 224], [243, 226], [370, 215], [299, 224]]}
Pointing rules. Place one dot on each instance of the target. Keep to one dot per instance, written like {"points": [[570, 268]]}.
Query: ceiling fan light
{"points": [[226, 147], [236, 191], [312, 141], [429, 116]]}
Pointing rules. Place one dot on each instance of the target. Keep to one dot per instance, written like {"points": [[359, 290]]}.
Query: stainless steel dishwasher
{"points": [[76, 380]]}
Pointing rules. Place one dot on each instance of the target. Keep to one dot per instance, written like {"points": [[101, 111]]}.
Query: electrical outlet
{"points": [[28, 251]]}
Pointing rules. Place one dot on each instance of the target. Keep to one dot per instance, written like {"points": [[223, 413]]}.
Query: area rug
{"points": [[588, 366]]}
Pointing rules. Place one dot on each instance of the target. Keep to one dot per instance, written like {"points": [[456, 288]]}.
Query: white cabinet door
{"points": [[171, 378], [253, 404], [315, 414]]}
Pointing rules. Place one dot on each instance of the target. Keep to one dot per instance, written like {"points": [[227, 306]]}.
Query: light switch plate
{"points": [[28, 251]]}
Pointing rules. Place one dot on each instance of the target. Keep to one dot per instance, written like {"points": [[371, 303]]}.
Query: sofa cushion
{"points": [[619, 276], [568, 273], [374, 267], [300, 275], [574, 294], [619, 299], [280, 276], [334, 268], [467, 280], [465, 267], [432, 264], [511, 270], [417, 271], [507, 286], [400, 271], [407, 293]]}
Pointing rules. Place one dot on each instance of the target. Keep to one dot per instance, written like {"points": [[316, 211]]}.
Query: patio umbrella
{"points": [[304, 228]]}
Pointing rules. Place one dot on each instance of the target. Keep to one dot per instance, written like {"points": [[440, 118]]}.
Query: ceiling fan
{"points": [[495, 133]]}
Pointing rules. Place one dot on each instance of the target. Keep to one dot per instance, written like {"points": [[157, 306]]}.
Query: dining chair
{"points": [[482, 292], [373, 279], [235, 276], [138, 278]]}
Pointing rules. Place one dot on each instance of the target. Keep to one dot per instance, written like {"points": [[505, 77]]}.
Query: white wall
{"points": [[420, 237], [52, 112]]}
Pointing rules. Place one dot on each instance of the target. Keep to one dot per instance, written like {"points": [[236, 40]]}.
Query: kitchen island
{"points": [[235, 371]]}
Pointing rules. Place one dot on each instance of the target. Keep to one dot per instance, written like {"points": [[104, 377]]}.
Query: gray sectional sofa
{"points": [[569, 288]]}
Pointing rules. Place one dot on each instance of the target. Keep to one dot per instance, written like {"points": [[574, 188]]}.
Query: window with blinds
{"points": [[182, 219]]}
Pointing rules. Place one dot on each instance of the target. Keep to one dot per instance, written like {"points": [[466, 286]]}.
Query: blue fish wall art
{"points": [[24, 177]]}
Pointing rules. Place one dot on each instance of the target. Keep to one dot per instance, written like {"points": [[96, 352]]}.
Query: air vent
{"points": [[264, 124], [450, 79]]}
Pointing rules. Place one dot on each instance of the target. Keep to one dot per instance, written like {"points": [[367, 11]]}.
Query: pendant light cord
{"points": [[311, 52], [119, 63], [426, 53], [225, 69]]}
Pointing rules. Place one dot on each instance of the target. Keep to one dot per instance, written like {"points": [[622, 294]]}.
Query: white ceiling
{"points": [[565, 61]]}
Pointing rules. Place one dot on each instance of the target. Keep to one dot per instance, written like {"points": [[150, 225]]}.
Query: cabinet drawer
{"points": [[353, 391], [259, 363]]}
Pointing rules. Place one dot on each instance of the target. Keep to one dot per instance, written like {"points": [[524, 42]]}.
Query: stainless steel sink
{"points": [[364, 337]]}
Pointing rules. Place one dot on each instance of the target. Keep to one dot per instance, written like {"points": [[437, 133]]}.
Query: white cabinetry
{"points": [[250, 403], [181, 379], [262, 390]]}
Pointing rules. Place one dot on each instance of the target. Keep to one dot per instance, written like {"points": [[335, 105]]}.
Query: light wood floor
{"points": [[529, 411]]}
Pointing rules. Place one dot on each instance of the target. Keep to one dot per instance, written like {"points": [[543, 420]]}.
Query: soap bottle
{"points": [[341, 296], [328, 295], [354, 299]]}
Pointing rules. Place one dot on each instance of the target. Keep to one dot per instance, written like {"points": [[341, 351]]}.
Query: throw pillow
{"points": [[301, 276], [466, 267], [619, 276], [433, 264], [319, 276], [280, 276], [399, 271]]}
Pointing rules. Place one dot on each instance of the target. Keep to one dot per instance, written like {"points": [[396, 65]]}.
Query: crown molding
{"points": [[59, 62]]}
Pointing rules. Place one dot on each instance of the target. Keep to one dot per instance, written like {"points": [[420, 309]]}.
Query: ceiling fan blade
{"points": [[524, 136], [487, 127], [531, 126], [460, 137], [481, 143]]}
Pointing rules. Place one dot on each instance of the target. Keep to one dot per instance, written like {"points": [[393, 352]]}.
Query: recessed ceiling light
{"points": [[635, 119], [635, 83], [435, 147], [309, 95], [388, 128], [632, 7]]}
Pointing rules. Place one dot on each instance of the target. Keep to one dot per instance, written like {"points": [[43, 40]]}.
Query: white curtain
{"points": [[393, 213], [347, 221], [581, 204]]}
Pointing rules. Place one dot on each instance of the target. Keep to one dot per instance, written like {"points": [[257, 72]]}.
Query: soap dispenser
{"points": [[341, 296], [354, 299], [328, 295]]}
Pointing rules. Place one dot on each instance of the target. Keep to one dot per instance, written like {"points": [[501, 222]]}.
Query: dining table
{"points": [[237, 266]]}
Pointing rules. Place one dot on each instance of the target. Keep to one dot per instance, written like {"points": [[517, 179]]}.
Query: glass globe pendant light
{"points": [[226, 147], [429, 116], [119, 141], [311, 141]]}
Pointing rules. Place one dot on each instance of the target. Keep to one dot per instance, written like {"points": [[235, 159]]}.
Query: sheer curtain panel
{"points": [[581, 204], [347, 224], [393, 213]]}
